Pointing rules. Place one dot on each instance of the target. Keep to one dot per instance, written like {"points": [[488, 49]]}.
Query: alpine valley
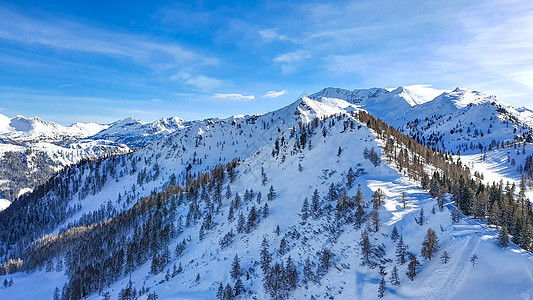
{"points": [[342, 194]]}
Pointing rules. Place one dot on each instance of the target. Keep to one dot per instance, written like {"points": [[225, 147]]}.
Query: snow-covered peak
{"points": [[462, 98], [407, 95], [35, 129]]}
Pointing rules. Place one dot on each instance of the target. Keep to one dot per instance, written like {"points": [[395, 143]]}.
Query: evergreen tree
{"points": [[394, 278], [421, 217], [401, 250], [473, 259], [503, 237], [220, 292], [308, 272], [235, 271], [264, 178], [315, 205], [445, 257], [394, 234], [366, 249], [228, 292], [271, 194], [265, 256], [377, 199], [350, 177], [282, 246], [375, 220], [304, 212], [332, 193], [239, 287], [382, 288], [291, 274]]}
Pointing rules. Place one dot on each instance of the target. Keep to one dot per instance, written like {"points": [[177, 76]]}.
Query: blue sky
{"points": [[104, 60]]}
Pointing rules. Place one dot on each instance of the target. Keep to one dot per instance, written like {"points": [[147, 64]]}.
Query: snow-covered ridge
{"points": [[436, 123], [23, 130]]}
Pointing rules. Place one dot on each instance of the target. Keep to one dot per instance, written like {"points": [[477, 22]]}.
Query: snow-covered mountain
{"points": [[22, 130], [136, 133], [459, 120], [305, 198]]}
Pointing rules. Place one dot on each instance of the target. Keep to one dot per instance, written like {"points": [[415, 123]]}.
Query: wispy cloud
{"points": [[234, 97], [271, 34], [290, 60], [71, 36], [274, 94], [201, 82]]}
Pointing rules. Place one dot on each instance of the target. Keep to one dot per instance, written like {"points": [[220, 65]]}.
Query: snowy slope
{"points": [[295, 173]]}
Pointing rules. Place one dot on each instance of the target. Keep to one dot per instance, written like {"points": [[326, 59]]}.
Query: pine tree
{"points": [[304, 212], [315, 205], [366, 249], [445, 257], [394, 278], [265, 256], [377, 199], [375, 220], [429, 245], [235, 271], [404, 199], [5, 283], [503, 237], [421, 218], [282, 246], [350, 177], [265, 210], [228, 293], [401, 250], [332, 193], [220, 292], [291, 274], [239, 287], [307, 272], [264, 178], [324, 258], [152, 296], [382, 288], [394, 234], [473, 259], [271, 193]]}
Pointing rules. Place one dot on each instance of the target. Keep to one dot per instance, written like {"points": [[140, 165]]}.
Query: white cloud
{"points": [[200, 81], [292, 57], [234, 97], [269, 35], [274, 94], [290, 60]]}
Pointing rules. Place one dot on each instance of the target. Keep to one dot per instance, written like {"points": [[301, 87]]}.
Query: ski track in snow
{"points": [[455, 278]]}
